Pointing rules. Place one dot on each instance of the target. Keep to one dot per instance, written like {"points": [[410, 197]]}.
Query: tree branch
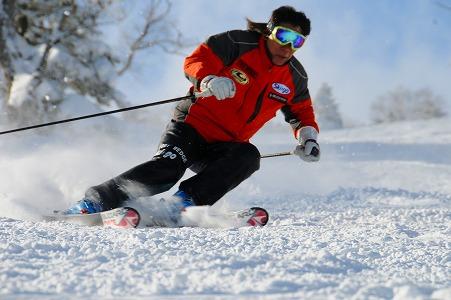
{"points": [[152, 18]]}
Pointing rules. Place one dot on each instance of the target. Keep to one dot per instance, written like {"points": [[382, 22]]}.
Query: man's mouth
{"points": [[283, 57]]}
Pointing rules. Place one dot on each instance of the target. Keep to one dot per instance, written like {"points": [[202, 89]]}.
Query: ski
{"points": [[199, 216], [127, 217], [122, 217], [254, 216]]}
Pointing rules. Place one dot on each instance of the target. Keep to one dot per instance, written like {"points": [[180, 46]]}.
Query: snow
{"points": [[19, 91], [370, 221]]}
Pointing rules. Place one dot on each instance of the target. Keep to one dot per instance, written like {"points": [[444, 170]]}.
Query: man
{"points": [[240, 79]]}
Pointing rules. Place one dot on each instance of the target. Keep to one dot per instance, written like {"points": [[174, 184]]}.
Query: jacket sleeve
{"points": [[300, 114], [202, 62], [210, 57]]}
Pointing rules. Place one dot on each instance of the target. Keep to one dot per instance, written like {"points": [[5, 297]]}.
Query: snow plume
{"points": [[132, 189], [158, 211], [49, 170], [210, 217], [154, 211]]}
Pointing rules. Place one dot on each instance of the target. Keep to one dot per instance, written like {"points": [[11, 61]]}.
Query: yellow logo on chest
{"points": [[240, 76]]}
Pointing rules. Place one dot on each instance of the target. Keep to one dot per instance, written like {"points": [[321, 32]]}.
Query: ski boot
{"points": [[85, 206], [185, 199], [167, 212]]}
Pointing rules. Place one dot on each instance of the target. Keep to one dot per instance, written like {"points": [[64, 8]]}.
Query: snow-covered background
{"points": [[371, 220]]}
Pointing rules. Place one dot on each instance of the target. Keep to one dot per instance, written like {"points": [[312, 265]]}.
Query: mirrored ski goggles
{"points": [[284, 36]]}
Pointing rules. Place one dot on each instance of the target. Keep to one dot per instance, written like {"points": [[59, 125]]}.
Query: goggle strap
{"points": [[270, 26]]}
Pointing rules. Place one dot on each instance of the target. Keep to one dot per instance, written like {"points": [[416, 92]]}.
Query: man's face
{"points": [[280, 55]]}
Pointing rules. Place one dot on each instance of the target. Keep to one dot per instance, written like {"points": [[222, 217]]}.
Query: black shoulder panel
{"points": [[300, 80], [230, 45]]}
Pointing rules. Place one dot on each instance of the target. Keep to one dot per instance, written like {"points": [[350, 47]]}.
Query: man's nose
{"points": [[287, 49]]}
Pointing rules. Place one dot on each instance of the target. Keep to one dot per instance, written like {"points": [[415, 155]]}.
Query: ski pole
{"points": [[315, 152], [98, 114], [276, 154]]}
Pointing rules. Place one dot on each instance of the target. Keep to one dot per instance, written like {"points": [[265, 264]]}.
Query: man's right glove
{"points": [[308, 149], [220, 87]]}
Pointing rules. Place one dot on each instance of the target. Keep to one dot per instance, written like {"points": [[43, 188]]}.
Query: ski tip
{"points": [[133, 217], [124, 217], [259, 218]]}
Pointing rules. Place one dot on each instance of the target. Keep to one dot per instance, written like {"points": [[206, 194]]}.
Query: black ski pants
{"points": [[219, 168]]}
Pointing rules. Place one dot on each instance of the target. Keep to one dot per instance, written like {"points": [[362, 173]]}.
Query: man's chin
{"points": [[279, 60]]}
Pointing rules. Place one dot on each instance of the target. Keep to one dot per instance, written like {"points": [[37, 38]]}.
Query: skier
{"points": [[241, 79]]}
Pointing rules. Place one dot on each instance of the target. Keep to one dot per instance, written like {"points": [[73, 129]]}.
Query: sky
{"points": [[363, 49]]}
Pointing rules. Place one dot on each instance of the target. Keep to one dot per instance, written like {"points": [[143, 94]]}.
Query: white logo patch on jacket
{"points": [[281, 88]]}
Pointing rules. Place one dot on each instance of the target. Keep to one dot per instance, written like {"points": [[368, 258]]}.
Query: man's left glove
{"points": [[308, 148]]}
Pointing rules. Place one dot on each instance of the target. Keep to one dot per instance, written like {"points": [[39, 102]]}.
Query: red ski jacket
{"points": [[262, 89]]}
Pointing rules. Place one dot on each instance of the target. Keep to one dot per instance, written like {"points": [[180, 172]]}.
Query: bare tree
{"points": [[156, 32], [6, 70], [52, 48], [402, 104]]}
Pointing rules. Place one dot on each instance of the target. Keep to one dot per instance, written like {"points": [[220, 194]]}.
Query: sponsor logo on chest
{"points": [[239, 76], [278, 98], [281, 88]]}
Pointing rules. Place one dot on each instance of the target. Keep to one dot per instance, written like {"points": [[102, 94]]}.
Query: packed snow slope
{"points": [[370, 221]]}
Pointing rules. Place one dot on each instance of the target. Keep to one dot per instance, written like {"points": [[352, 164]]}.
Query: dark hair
{"points": [[283, 14], [259, 27]]}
